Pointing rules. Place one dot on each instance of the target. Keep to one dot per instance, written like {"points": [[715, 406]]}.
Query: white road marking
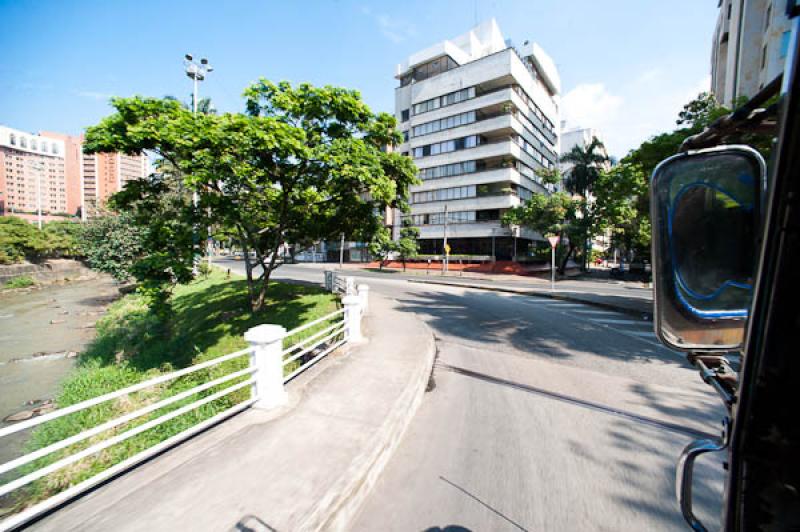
{"points": [[620, 322], [598, 312]]}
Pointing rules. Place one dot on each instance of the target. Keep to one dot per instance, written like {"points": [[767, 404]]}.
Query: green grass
{"points": [[19, 282], [209, 319]]}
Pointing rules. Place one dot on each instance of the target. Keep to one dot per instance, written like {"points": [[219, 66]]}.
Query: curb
{"points": [[343, 501], [563, 297]]}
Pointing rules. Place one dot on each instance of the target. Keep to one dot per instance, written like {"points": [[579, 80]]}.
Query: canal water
{"points": [[41, 330]]}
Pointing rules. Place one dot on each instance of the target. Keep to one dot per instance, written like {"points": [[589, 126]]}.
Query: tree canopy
{"points": [[302, 163]]}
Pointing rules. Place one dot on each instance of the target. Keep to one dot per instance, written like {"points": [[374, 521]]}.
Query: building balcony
{"points": [[488, 99], [479, 203]]}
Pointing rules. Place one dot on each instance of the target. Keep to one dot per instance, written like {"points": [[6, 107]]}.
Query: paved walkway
{"points": [[305, 468]]}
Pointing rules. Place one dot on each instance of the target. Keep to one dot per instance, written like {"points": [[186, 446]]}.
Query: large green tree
{"points": [[302, 163], [556, 214], [408, 245], [381, 245], [621, 206], [587, 165]]}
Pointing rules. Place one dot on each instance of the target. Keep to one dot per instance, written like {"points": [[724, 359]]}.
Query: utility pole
{"points": [[341, 253], [197, 73], [39, 166], [444, 246]]}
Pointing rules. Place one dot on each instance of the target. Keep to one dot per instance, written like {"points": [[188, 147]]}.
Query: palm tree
{"points": [[587, 163]]}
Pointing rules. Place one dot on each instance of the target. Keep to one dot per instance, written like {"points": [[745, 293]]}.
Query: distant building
{"points": [[580, 137], [479, 118], [750, 44], [52, 168], [32, 174], [107, 173]]}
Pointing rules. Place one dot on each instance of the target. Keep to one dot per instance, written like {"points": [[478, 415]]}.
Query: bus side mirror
{"points": [[705, 208]]}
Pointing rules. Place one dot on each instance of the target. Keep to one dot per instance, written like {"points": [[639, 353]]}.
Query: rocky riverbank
{"points": [[42, 331]]}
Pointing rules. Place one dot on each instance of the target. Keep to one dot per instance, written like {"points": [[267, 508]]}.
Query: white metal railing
{"points": [[269, 368], [340, 284]]}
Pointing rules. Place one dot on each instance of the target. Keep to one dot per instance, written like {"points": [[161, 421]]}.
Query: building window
{"points": [[12, 139], [404, 115], [729, 11], [448, 170], [55, 149], [442, 101], [764, 57], [447, 146], [785, 43], [33, 144], [444, 194], [444, 123], [768, 17], [23, 142], [44, 147]]}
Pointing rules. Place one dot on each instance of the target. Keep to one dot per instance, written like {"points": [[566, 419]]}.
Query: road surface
{"points": [[541, 415]]}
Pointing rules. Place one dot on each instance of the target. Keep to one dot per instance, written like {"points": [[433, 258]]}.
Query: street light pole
{"points": [[444, 246], [39, 166], [197, 73], [341, 253]]}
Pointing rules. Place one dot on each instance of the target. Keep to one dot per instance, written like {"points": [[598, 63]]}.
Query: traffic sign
{"points": [[447, 249], [553, 241]]}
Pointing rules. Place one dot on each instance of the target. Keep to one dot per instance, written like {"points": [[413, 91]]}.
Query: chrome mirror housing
{"points": [[706, 214]]}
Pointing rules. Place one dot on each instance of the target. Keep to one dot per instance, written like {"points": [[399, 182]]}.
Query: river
{"points": [[41, 331]]}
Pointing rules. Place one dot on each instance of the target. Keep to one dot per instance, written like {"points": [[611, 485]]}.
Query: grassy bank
{"points": [[209, 320]]}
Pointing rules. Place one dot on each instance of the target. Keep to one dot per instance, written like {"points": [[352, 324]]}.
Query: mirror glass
{"points": [[705, 208]]}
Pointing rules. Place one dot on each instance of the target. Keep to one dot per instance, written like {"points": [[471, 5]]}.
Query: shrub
{"points": [[21, 240], [20, 282]]}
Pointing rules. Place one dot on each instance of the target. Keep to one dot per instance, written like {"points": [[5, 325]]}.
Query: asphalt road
{"points": [[542, 415]]}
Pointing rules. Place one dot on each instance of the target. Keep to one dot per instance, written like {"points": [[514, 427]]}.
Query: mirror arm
{"points": [[715, 370], [685, 472]]}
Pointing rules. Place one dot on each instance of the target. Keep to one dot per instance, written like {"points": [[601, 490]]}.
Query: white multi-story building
{"points": [[479, 118], [751, 41], [579, 137]]}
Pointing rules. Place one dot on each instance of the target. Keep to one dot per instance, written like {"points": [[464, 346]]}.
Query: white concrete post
{"points": [[267, 343], [329, 281], [352, 317], [363, 293], [350, 286]]}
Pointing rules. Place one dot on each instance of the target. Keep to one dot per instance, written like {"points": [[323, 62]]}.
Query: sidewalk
{"points": [[305, 467]]}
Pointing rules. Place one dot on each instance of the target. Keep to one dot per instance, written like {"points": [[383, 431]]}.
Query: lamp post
{"points": [[197, 72], [39, 167]]}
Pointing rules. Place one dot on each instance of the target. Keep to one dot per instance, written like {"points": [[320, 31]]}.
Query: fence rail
{"points": [[271, 365]]}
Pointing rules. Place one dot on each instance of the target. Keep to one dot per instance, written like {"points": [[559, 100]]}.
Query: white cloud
{"points": [[94, 95], [589, 104], [394, 29], [627, 116]]}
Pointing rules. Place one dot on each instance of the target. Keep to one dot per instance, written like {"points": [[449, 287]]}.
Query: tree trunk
{"points": [[404, 264], [563, 267]]}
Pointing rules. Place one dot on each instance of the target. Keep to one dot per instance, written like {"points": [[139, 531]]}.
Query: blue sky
{"points": [[626, 66]]}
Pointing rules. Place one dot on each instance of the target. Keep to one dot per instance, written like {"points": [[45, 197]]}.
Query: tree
{"points": [[303, 163], [587, 163], [381, 245], [555, 214], [112, 244], [407, 245], [621, 206], [20, 240], [700, 112]]}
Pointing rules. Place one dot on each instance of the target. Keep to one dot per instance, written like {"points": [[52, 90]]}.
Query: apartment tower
{"points": [[751, 40], [69, 181], [478, 116], [32, 175]]}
